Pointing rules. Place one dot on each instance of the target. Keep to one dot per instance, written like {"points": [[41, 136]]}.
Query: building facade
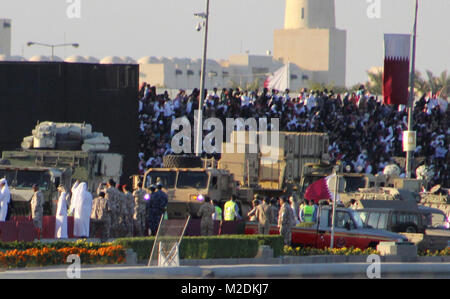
{"points": [[240, 70], [311, 40]]}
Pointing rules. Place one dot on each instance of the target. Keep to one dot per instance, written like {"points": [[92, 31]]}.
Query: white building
{"points": [[5, 37], [239, 70]]}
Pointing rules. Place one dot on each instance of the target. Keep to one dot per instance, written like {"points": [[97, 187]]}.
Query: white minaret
{"points": [[309, 14], [5, 37]]}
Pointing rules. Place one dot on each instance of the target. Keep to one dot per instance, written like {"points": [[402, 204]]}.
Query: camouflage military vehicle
{"points": [[57, 153], [243, 174], [274, 169], [187, 180], [357, 181], [438, 198]]}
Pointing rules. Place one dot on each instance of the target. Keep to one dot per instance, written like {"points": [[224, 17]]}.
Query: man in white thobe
{"points": [[61, 214], [82, 211], [5, 197]]}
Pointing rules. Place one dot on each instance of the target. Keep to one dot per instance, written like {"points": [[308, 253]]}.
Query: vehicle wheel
{"points": [[411, 230], [174, 161]]}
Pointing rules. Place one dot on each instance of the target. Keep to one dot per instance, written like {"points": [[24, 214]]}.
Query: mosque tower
{"points": [[311, 40], [5, 37]]}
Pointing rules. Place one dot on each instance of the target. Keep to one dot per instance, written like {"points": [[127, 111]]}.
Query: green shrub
{"points": [[214, 247]]}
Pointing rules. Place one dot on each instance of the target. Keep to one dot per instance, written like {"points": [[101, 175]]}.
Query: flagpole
{"points": [[336, 184], [288, 77], [409, 153]]}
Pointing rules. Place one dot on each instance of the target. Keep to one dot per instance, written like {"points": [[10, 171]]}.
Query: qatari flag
{"points": [[320, 189], [396, 68]]}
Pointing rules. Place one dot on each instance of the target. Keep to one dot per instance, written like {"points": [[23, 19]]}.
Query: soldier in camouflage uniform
{"points": [[113, 211], [206, 212], [100, 218], [286, 220], [37, 207], [128, 212], [122, 211], [139, 210]]}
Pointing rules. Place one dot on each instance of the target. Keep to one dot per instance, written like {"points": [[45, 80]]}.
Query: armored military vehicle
{"points": [[358, 184], [57, 153], [243, 173], [438, 198], [188, 180]]}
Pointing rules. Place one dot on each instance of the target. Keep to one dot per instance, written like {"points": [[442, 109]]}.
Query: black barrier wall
{"points": [[103, 95]]}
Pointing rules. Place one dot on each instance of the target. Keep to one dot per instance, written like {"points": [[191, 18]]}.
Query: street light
{"points": [[53, 46], [205, 17], [409, 153]]}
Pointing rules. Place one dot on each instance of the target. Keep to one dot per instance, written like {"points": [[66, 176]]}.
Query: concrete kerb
{"points": [[343, 270]]}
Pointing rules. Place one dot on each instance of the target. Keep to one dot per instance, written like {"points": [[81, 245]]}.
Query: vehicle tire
{"points": [[174, 161], [411, 230]]}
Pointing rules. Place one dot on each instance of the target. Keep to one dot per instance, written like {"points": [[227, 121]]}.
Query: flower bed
{"points": [[20, 245], [35, 257], [308, 251], [445, 252]]}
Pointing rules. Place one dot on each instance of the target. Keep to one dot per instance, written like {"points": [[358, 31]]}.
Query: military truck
{"points": [[276, 168], [57, 153], [188, 179]]}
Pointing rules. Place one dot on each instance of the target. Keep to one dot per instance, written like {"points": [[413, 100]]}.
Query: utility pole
{"points": [[198, 146], [409, 153]]}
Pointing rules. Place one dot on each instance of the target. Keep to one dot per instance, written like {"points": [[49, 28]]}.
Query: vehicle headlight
{"points": [[199, 197]]}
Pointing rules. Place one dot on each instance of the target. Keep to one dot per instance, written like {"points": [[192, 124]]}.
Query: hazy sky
{"points": [[140, 28]]}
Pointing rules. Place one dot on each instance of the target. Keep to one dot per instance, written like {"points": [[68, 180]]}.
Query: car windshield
{"points": [[167, 178], [357, 219], [354, 183], [192, 179], [9, 175], [26, 179]]}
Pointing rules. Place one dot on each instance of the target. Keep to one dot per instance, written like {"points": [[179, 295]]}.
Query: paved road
{"points": [[349, 270]]}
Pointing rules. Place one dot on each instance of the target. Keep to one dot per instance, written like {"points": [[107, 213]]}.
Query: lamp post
{"points": [[53, 46], [205, 17], [409, 153]]}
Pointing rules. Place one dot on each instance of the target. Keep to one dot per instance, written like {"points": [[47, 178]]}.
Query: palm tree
{"points": [[375, 83], [443, 83], [439, 84], [421, 85]]}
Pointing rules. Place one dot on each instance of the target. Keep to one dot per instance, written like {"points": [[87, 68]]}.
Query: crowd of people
{"points": [[365, 135]]}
